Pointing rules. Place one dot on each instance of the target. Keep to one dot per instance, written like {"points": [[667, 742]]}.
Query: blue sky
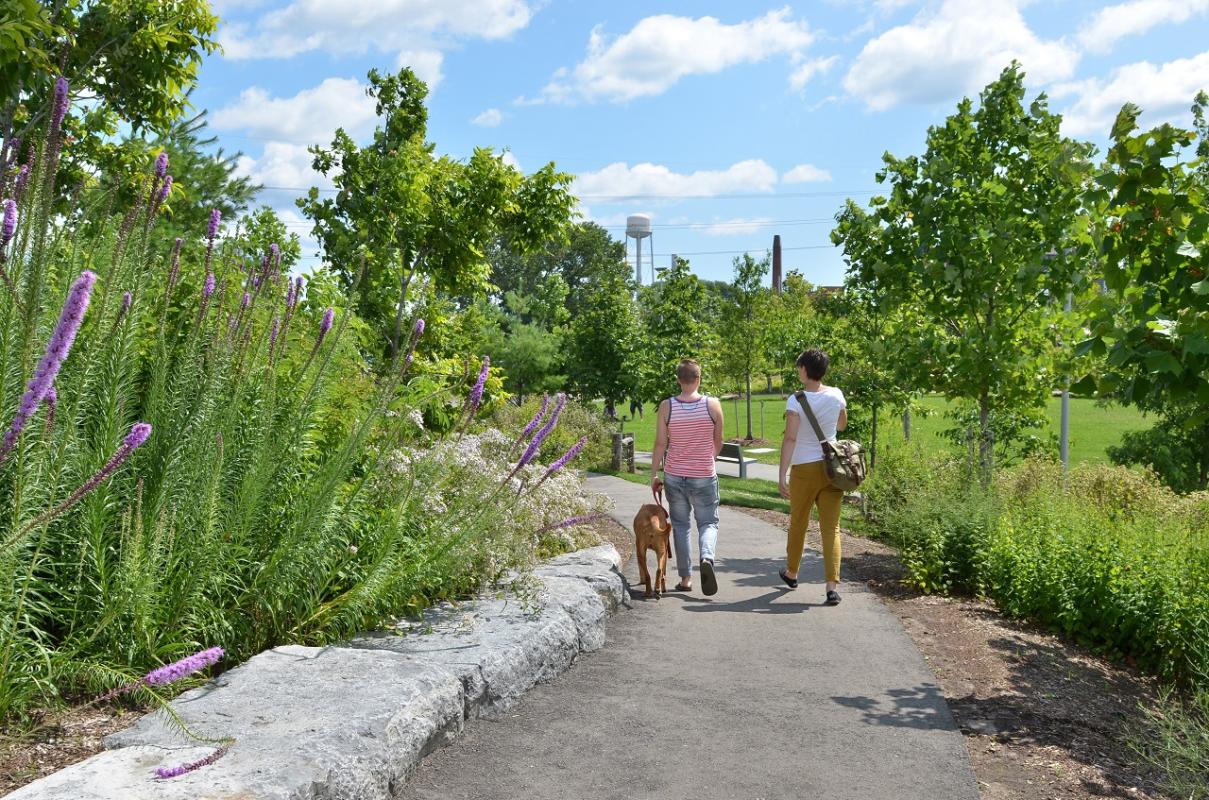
{"points": [[726, 122]]}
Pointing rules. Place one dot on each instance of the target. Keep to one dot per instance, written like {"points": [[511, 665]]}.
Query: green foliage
{"points": [[742, 323], [602, 358], [1106, 556], [1175, 739], [673, 330], [287, 493], [1174, 449], [978, 237], [408, 216], [529, 355], [577, 420]]}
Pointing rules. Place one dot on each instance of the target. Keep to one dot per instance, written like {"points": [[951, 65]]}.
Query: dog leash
{"points": [[658, 495]]}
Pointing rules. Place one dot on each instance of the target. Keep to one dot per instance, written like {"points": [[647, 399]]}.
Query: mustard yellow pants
{"points": [[808, 487]]}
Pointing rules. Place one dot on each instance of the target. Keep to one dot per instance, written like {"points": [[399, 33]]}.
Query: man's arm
{"points": [[715, 408], [792, 421], [843, 420], [660, 441]]}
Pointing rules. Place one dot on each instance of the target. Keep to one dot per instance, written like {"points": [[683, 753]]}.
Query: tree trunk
{"points": [[986, 440], [907, 425], [768, 377]]}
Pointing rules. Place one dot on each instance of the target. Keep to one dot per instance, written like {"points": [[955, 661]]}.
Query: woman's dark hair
{"points": [[815, 361]]}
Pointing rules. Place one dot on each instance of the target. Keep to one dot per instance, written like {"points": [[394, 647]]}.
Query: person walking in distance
{"points": [[803, 477], [688, 437]]}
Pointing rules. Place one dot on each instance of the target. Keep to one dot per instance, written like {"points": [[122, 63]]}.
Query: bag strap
{"points": [[814, 422]]}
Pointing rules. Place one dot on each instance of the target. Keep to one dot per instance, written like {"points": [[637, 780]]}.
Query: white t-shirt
{"points": [[826, 405]]}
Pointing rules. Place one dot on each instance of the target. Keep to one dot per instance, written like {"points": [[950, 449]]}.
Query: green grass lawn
{"points": [[1092, 427]]}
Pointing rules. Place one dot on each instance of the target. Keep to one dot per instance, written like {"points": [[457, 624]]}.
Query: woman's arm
{"points": [[842, 422], [792, 421], [660, 441], [715, 407]]}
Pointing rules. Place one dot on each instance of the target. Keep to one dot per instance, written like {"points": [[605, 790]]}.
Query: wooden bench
{"points": [[733, 453]]}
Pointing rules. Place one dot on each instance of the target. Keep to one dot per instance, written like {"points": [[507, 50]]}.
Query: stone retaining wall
{"points": [[352, 721]]}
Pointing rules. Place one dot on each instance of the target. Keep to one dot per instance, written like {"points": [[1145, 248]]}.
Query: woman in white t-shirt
{"points": [[803, 478]]}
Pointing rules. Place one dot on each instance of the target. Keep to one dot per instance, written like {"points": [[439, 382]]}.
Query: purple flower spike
{"points": [[164, 773], [476, 393], [165, 188], [57, 348], [171, 673], [22, 179], [127, 299], [537, 418], [418, 330], [9, 227], [532, 449], [243, 303], [273, 334], [138, 434], [298, 290], [566, 457], [573, 521], [212, 229], [161, 165], [208, 287], [289, 295], [59, 109], [325, 324]]}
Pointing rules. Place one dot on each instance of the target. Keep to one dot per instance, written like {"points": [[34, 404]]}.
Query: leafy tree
{"points": [[602, 343], [528, 355], [977, 237], [134, 60], [742, 322], [1152, 203], [587, 256], [409, 215], [673, 329], [790, 326]]}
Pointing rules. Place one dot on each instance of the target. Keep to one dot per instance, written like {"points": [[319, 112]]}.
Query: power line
{"points": [[686, 225], [620, 197]]}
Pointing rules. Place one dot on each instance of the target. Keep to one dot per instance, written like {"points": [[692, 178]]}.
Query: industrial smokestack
{"points": [[776, 264]]}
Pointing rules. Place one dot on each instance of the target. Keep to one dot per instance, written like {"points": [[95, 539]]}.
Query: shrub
{"points": [[578, 419]]}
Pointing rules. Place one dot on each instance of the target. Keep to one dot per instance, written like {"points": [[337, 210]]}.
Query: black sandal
{"points": [[680, 587], [833, 598], [709, 582], [792, 583]]}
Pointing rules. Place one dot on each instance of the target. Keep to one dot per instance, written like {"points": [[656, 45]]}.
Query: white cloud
{"points": [[621, 180], [358, 26], [803, 73], [1164, 92], [954, 50], [489, 119], [660, 50], [425, 63], [806, 173], [510, 160], [737, 227], [282, 164], [312, 115], [1133, 18]]}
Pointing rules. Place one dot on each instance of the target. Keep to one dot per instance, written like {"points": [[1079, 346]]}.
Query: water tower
{"points": [[638, 227]]}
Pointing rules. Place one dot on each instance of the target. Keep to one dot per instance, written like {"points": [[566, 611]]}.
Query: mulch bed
{"points": [[1042, 718]]}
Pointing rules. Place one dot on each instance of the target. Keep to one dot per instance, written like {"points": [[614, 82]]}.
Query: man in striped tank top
{"points": [[688, 437]]}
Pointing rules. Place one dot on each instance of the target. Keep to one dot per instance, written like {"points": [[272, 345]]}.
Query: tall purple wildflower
{"points": [[22, 179], [169, 673], [325, 325], [542, 433], [164, 773], [564, 459], [244, 301], [212, 228], [57, 348], [138, 434], [208, 286], [9, 227], [537, 418], [61, 101], [161, 165], [573, 521], [476, 392], [273, 333], [165, 188]]}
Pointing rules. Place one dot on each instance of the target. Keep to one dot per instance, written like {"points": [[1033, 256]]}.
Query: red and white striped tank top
{"points": [[690, 446]]}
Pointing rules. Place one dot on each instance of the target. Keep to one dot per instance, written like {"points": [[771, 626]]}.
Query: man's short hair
{"points": [[688, 371], [815, 361]]}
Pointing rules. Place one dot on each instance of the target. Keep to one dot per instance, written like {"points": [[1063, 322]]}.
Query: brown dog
{"points": [[653, 531]]}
